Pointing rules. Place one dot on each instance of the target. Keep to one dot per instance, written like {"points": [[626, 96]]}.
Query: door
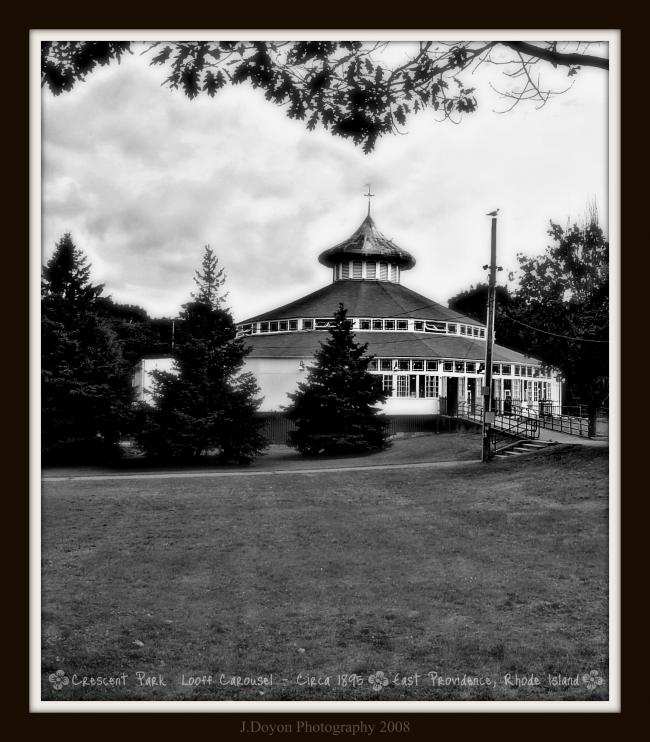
{"points": [[452, 395], [507, 397], [471, 395]]}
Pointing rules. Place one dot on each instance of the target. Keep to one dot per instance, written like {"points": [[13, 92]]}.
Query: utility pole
{"points": [[488, 413]]}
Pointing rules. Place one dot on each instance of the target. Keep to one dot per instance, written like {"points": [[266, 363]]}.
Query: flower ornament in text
{"points": [[378, 680], [58, 679], [592, 679]]}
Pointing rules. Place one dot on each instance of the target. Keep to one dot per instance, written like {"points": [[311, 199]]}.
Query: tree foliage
{"points": [[209, 405], [138, 334], [354, 89], [473, 302], [334, 409], [209, 280], [85, 380], [560, 312]]}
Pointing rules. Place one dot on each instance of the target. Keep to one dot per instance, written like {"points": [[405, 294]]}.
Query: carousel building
{"points": [[429, 357]]}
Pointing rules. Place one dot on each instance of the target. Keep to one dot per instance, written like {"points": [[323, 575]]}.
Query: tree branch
{"points": [[558, 58]]}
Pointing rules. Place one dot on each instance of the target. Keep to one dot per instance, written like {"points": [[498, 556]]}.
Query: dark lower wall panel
{"points": [[276, 427]]}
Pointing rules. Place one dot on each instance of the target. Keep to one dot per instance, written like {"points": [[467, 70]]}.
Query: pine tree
{"points": [[210, 280], [335, 408], [208, 405], [85, 382]]}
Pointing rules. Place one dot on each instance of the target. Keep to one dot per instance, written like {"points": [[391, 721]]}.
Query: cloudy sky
{"points": [[143, 178]]}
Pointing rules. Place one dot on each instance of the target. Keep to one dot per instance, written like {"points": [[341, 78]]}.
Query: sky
{"points": [[143, 178]]}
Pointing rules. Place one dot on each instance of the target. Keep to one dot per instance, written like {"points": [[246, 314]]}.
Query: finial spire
{"points": [[368, 196]]}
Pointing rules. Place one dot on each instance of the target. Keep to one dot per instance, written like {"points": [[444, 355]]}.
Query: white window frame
{"points": [[402, 385]]}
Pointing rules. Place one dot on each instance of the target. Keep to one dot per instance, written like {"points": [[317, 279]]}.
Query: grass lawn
{"points": [[473, 573], [404, 448]]}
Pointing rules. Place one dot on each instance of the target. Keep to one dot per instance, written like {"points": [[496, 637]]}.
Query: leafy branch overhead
{"points": [[356, 90]]}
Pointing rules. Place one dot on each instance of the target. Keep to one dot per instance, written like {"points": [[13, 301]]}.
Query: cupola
{"points": [[367, 256]]}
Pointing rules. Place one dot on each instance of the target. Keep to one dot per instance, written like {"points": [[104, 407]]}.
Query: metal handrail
{"points": [[570, 424], [513, 424]]}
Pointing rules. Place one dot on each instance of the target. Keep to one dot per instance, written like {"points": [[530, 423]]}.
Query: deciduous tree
{"points": [[354, 89], [560, 311]]}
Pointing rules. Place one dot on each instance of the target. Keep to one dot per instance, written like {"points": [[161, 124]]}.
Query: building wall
{"points": [[277, 377], [142, 381]]}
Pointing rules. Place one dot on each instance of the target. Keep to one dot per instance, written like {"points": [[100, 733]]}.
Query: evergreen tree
{"points": [[208, 404], [85, 381], [210, 280], [334, 409]]}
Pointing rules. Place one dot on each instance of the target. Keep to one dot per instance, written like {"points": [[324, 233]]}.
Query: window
{"points": [[470, 368], [284, 325], [402, 386], [389, 324], [403, 365], [356, 269], [451, 328], [377, 324], [322, 324], [393, 273], [463, 329], [536, 371], [371, 271], [506, 369], [529, 370], [496, 368], [307, 324], [293, 324], [448, 366], [373, 365], [460, 367], [481, 332], [364, 324], [386, 364], [476, 332], [431, 386], [246, 329], [417, 365], [517, 370], [346, 270], [383, 271], [273, 326], [418, 325], [264, 326], [402, 324], [435, 326], [387, 383], [432, 365]]}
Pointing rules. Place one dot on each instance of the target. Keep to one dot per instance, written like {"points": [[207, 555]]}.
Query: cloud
{"points": [[143, 178]]}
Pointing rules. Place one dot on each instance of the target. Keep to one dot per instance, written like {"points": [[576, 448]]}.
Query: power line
{"points": [[554, 334]]}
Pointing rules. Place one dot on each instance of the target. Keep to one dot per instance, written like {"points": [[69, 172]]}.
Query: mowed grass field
{"points": [[494, 577]]}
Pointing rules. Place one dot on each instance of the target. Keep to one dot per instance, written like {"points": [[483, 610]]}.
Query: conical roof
{"points": [[365, 299], [367, 243]]}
